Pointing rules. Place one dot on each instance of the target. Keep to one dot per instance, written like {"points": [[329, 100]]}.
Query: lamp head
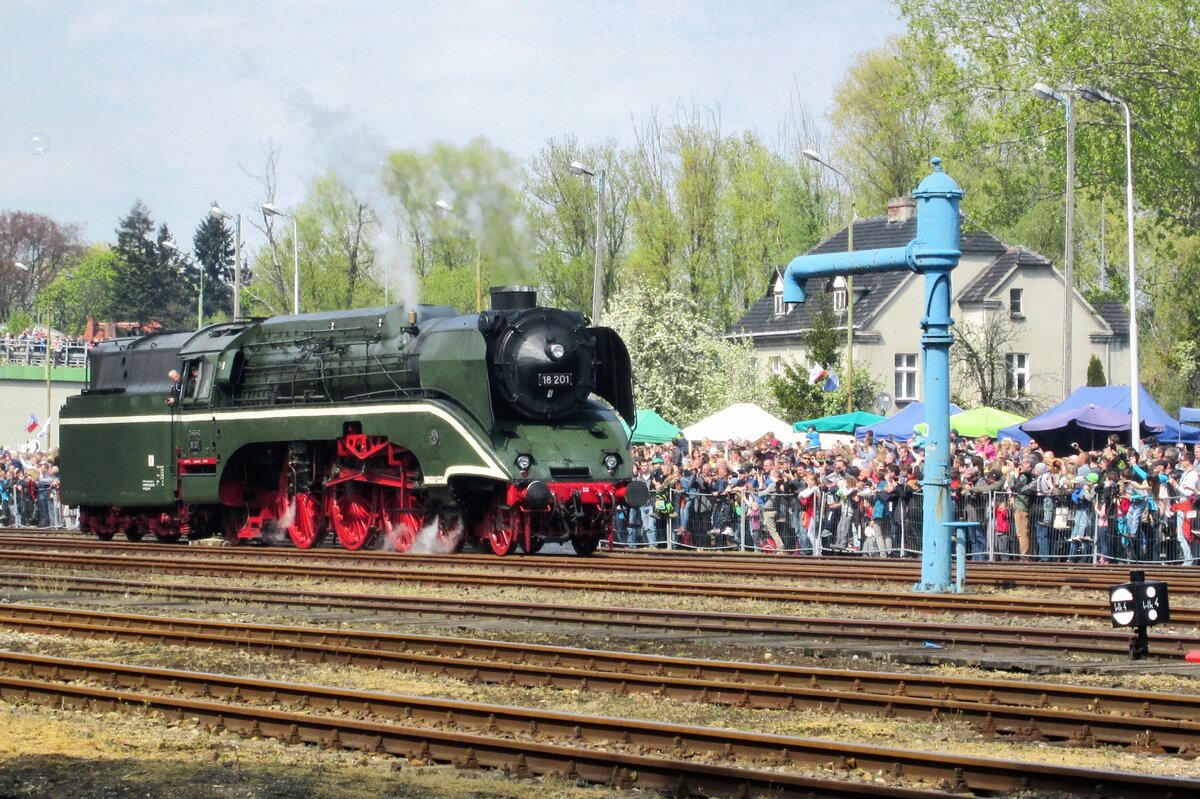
{"points": [[1094, 94], [1045, 92], [21, 266], [813, 155], [218, 212], [271, 210], [167, 244], [577, 168], [444, 206]]}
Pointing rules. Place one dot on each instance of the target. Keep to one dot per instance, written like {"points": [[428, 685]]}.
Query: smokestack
{"points": [[901, 209], [513, 298]]}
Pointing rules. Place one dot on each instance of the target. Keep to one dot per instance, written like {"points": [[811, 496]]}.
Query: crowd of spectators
{"points": [[30, 345], [862, 496], [29, 490], [865, 496]]}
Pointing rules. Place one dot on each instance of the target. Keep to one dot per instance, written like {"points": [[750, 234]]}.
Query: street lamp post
{"points": [[237, 255], [445, 207], [813, 155], [1096, 94], [173, 247], [578, 168], [271, 210], [1065, 97]]}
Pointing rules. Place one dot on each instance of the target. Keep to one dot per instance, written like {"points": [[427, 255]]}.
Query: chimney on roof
{"points": [[901, 209]]}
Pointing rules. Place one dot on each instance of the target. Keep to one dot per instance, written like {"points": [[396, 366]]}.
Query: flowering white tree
{"points": [[682, 368]]}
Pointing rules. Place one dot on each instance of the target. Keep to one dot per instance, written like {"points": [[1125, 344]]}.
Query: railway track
{"points": [[680, 759], [903, 600], [1148, 721], [1084, 577], [906, 641]]}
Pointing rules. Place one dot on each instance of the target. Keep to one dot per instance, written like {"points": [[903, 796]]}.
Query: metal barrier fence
{"points": [[33, 353], [1034, 528], [42, 509]]}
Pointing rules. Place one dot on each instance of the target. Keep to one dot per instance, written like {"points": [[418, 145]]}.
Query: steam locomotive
{"points": [[403, 427]]}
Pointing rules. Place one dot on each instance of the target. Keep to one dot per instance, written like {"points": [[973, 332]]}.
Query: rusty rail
{"points": [[527, 742], [826, 634], [1029, 711], [958, 603]]}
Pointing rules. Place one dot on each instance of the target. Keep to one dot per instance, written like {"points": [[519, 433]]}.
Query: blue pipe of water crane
{"points": [[934, 253]]}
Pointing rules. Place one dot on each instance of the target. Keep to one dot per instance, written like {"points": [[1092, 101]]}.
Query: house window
{"points": [[1014, 302], [906, 376], [839, 295], [1017, 376], [779, 306], [775, 365]]}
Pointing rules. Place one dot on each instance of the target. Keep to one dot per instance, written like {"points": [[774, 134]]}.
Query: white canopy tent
{"points": [[742, 421]]}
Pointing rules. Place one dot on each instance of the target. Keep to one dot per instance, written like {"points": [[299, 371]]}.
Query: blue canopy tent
{"points": [[1114, 398], [900, 426]]}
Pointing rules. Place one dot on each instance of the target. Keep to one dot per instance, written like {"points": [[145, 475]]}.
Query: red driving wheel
{"points": [[350, 514], [308, 521]]}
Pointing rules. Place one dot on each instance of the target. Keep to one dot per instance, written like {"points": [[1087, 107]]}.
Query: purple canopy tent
{"points": [[1089, 426]]}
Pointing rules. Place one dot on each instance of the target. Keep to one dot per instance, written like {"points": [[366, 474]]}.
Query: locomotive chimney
{"points": [[513, 298]]}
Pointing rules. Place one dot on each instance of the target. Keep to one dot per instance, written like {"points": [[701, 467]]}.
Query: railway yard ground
{"points": [[155, 670]]}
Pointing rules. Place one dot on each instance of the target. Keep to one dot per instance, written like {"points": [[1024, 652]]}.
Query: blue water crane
{"points": [[934, 253]]}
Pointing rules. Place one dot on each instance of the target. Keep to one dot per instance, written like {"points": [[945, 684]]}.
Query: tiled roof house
{"points": [[991, 279]]}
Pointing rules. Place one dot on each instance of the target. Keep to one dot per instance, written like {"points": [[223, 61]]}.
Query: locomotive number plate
{"points": [[555, 379]]}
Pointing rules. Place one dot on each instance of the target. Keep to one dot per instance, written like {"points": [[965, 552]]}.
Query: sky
{"points": [[177, 103]]}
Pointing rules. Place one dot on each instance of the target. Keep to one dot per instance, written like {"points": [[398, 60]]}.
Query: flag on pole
{"points": [[46, 427], [831, 383], [816, 374], [32, 424]]}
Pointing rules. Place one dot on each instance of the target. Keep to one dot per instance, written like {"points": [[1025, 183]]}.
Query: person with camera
{"points": [[728, 490], [768, 502], [1184, 488]]}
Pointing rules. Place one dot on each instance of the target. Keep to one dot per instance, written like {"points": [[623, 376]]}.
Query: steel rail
{"points": [[1036, 711], [525, 742], [882, 570], [973, 603], [820, 633]]}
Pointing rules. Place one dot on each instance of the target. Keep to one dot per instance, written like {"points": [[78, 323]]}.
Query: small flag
{"points": [[816, 374], [32, 424], [45, 428], [831, 382]]}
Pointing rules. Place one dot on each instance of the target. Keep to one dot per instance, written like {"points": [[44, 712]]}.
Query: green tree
{"points": [[561, 209], [893, 111], [796, 397], [1146, 52], [713, 214], [682, 369], [1095, 373], [213, 245], [823, 340], [149, 284], [481, 224], [87, 290]]}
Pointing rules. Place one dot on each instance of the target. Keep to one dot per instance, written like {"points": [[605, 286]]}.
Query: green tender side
{"points": [[116, 450], [139, 471]]}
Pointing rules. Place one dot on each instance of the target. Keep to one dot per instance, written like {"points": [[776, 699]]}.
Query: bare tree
{"points": [[980, 359], [270, 288]]}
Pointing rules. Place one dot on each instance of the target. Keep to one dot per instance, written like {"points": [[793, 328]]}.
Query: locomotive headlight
{"points": [[556, 351], [611, 461], [524, 462]]}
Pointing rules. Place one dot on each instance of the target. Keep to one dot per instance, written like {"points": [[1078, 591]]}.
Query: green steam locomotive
{"points": [[417, 429]]}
